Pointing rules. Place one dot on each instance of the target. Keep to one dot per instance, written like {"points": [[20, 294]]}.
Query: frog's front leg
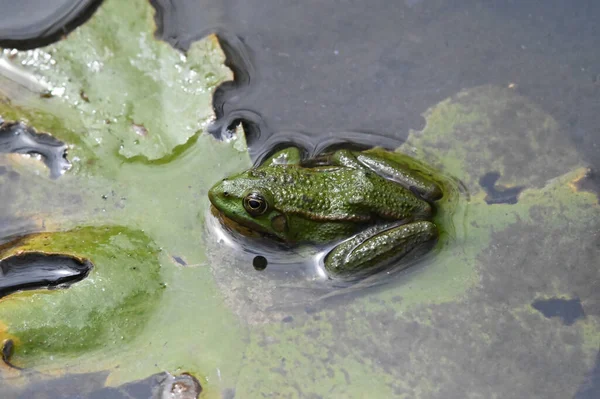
{"points": [[376, 247], [389, 169], [286, 156]]}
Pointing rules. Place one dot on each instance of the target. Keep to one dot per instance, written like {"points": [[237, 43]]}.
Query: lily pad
{"points": [[108, 307], [133, 112], [117, 88]]}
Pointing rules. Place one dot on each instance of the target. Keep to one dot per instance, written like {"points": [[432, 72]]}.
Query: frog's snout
{"points": [[216, 192], [212, 196]]}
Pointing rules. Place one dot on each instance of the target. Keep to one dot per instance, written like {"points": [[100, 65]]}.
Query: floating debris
{"points": [[184, 386]]}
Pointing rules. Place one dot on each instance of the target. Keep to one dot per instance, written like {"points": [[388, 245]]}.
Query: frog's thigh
{"points": [[371, 249], [286, 156], [404, 176]]}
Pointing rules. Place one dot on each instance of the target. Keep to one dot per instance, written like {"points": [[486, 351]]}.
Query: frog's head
{"points": [[249, 202]]}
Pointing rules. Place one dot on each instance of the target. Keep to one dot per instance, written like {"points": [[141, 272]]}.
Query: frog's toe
{"points": [[430, 192]]}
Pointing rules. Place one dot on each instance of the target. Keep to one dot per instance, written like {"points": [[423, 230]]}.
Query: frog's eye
{"points": [[255, 204]]}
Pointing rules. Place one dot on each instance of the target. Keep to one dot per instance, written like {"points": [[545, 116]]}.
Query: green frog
{"points": [[375, 205]]}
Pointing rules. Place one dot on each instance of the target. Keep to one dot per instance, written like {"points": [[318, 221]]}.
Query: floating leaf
{"points": [[109, 307], [128, 92]]}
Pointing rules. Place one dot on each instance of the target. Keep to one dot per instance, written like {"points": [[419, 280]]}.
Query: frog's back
{"points": [[341, 194]]}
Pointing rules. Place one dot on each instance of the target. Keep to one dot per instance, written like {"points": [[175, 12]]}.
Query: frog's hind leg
{"points": [[402, 173], [376, 247]]}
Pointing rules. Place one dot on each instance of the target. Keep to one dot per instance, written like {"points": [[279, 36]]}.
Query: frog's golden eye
{"points": [[255, 204]]}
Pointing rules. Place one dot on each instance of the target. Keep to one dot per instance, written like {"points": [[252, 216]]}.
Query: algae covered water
{"points": [[151, 111]]}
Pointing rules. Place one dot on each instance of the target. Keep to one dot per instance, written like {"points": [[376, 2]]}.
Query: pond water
{"points": [[501, 96]]}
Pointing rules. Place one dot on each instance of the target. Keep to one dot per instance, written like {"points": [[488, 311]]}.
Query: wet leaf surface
{"points": [[166, 295]]}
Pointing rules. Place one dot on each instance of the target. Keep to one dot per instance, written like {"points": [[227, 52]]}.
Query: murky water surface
{"points": [[500, 96]]}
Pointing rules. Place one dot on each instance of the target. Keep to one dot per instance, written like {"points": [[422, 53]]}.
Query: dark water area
{"points": [[568, 310], [591, 183], [326, 68], [498, 195], [34, 270], [590, 388], [33, 23], [91, 386], [338, 71]]}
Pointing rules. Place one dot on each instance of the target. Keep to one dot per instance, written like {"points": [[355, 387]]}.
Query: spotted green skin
{"points": [[379, 206]]}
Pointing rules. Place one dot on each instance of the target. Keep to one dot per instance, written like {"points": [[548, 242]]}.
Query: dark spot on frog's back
{"points": [[568, 310], [498, 194], [306, 199]]}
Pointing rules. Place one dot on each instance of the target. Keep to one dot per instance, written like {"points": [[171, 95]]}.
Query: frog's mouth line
{"points": [[232, 224]]}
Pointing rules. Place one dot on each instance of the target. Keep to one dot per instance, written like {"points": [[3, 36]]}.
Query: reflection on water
{"points": [[21, 139], [289, 279], [35, 270], [31, 23]]}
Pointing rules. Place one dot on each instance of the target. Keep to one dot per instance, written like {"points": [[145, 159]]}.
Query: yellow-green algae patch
{"points": [[494, 129]]}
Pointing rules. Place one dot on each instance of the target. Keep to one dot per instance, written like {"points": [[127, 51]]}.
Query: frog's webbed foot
{"points": [[285, 156], [376, 247]]}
